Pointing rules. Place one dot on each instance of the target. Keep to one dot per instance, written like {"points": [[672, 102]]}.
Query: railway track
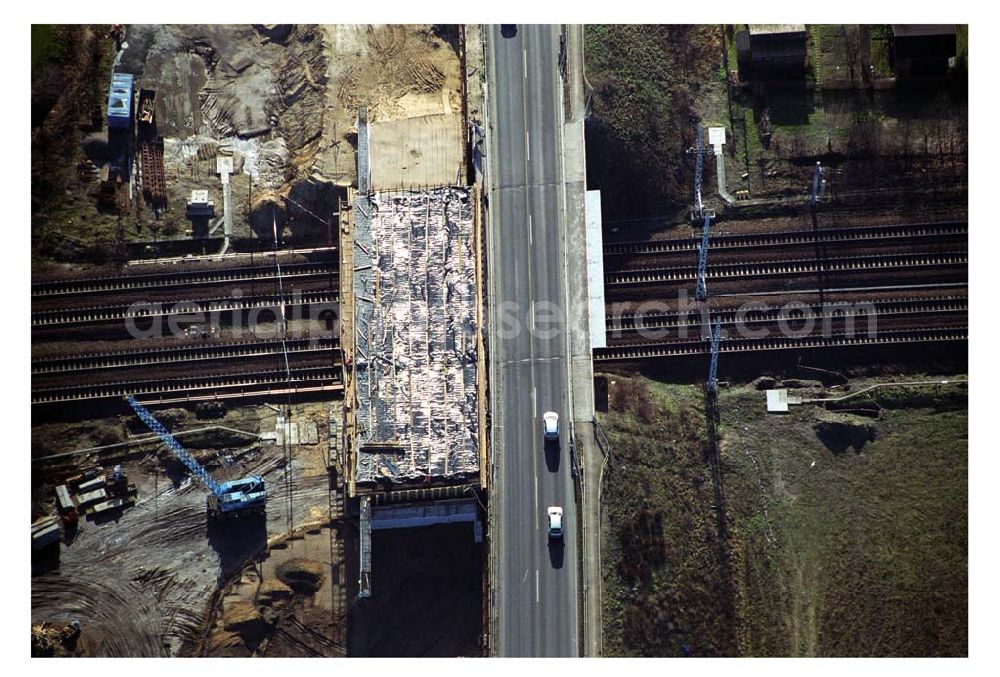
{"points": [[761, 313], [787, 268], [690, 348], [305, 379], [188, 278], [187, 354], [909, 231], [141, 310]]}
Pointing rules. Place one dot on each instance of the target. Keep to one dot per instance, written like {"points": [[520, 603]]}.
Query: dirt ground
{"points": [[847, 534], [289, 603], [159, 559], [281, 99]]}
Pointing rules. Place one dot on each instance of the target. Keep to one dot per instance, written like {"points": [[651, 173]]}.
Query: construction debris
{"points": [[51, 640], [416, 378]]}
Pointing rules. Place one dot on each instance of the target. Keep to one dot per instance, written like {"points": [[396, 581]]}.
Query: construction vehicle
{"points": [[147, 107], [236, 498], [118, 485]]}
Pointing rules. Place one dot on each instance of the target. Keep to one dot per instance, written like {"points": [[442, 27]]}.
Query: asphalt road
{"points": [[536, 582]]}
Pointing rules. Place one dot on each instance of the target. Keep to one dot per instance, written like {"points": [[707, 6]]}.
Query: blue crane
{"points": [[246, 496]]}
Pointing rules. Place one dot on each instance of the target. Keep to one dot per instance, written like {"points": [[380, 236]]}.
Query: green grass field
{"points": [[44, 47], [831, 552], [645, 81]]}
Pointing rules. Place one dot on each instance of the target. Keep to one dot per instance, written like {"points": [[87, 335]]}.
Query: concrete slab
{"points": [[424, 514], [777, 400], [419, 152], [717, 138]]}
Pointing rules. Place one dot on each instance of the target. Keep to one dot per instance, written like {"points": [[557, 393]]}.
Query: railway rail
{"points": [[787, 268], [795, 312], [909, 231], [305, 379], [691, 348], [141, 310], [188, 278], [124, 359]]}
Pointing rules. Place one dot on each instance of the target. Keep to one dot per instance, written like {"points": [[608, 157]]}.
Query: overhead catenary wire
{"points": [[287, 419]]}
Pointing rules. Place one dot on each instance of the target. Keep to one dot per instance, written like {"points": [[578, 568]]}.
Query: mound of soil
{"points": [[241, 616], [170, 418], [764, 383], [272, 589], [302, 575]]}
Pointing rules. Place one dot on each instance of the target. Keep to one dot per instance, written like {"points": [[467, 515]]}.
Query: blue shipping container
{"points": [[120, 101]]}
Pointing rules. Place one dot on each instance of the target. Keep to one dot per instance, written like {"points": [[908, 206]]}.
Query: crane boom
{"points": [[180, 452], [235, 497]]}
